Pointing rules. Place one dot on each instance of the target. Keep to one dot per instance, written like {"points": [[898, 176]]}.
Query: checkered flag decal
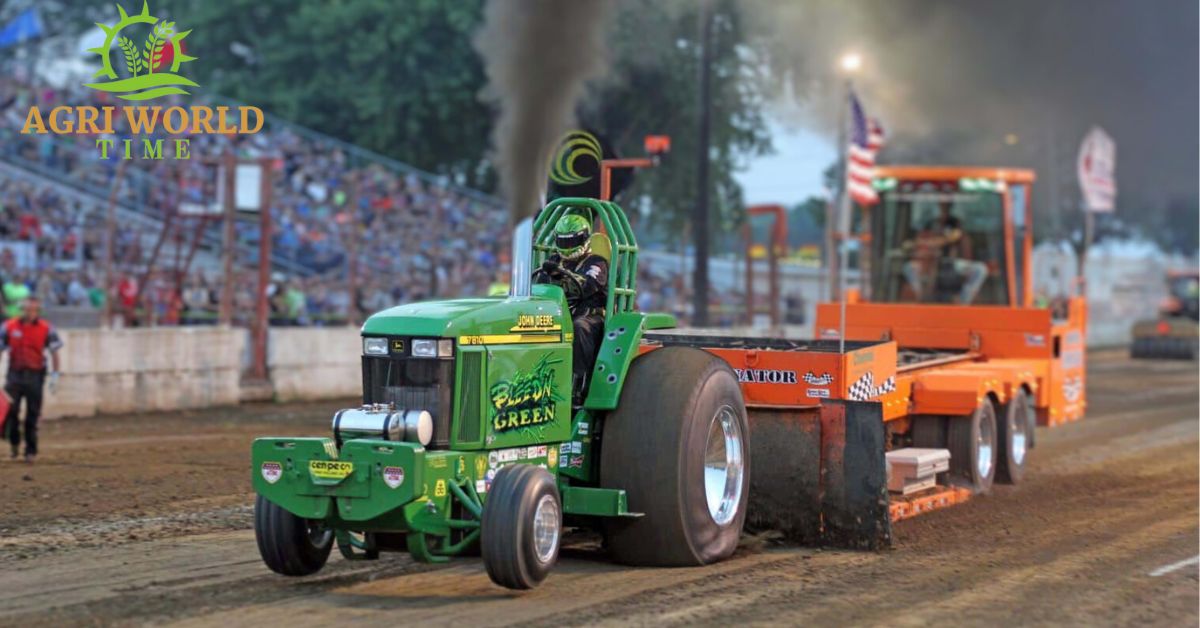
{"points": [[824, 380], [864, 388]]}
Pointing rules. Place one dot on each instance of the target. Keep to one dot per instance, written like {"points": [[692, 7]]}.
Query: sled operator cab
{"points": [[950, 235]]}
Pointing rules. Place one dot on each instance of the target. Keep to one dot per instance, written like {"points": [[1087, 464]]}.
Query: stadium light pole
{"points": [[700, 211]]}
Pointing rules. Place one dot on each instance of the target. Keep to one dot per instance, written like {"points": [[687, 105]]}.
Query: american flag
{"points": [[866, 138]]}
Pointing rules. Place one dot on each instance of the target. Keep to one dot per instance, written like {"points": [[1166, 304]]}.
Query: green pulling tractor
{"points": [[467, 440]]}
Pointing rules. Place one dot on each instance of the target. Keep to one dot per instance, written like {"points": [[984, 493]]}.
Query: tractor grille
{"points": [[468, 399], [413, 384]]}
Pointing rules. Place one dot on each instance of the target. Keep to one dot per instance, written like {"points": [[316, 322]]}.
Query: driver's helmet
{"points": [[572, 236]]}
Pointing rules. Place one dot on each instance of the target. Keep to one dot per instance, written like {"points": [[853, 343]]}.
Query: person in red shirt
{"points": [[27, 338]]}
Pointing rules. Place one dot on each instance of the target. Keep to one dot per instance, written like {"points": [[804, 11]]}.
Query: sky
{"points": [[793, 172]]}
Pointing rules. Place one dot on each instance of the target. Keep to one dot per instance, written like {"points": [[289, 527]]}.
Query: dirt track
{"points": [[146, 520]]}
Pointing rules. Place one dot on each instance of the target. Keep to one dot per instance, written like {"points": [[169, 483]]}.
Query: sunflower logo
{"points": [[575, 145], [150, 70]]}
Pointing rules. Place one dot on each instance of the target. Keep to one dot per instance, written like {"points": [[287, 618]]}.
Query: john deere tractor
{"points": [[467, 440]]}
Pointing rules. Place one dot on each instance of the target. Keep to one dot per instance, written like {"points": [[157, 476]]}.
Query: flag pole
{"points": [[844, 222]]}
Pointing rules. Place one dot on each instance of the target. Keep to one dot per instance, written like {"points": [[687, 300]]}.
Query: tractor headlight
{"points": [[375, 346], [445, 348], [425, 348]]}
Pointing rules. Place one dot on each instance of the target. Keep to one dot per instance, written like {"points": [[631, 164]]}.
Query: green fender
{"points": [[622, 335]]}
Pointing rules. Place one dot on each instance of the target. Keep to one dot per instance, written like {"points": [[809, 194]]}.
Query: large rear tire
{"points": [[1015, 440], [679, 445], [972, 443], [288, 544], [522, 526]]}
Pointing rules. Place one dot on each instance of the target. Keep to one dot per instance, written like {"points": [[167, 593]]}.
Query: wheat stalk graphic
{"points": [[132, 61], [155, 42]]}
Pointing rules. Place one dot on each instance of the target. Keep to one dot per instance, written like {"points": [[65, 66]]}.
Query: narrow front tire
{"points": [[522, 526], [290, 545]]}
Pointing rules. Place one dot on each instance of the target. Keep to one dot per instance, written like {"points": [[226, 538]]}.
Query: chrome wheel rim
{"points": [[985, 445], [318, 534], [723, 467], [546, 523], [1020, 439]]}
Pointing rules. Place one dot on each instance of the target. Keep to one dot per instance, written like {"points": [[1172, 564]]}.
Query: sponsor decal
{"points": [[864, 388], [271, 472], [829, 332], [1035, 340], [493, 458], [331, 449], [1073, 338], [439, 489], [576, 145], [535, 322], [576, 447], [393, 476], [1072, 389], [765, 376], [863, 357], [330, 469], [552, 456], [481, 465], [583, 428], [488, 477], [822, 393], [527, 399], [481, 486], [576, 462], [437, 462], [1072, 358], [824, 380]]}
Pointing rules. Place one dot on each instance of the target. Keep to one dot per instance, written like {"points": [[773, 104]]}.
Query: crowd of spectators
{"points": [[357, 233]]}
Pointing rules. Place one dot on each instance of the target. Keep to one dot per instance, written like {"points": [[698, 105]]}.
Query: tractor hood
{"points": [[471, 317]]}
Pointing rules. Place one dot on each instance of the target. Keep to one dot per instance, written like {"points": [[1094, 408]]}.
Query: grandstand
{"points": [[334, 205]]}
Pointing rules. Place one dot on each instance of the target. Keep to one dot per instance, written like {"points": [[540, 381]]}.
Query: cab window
{"points": [[936, 243]]}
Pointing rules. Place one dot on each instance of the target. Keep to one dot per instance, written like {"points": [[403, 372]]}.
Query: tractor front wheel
{"points": [[679, 445], [522, 526], [290, 545]]}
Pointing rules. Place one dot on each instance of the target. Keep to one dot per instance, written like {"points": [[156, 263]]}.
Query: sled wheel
{"points": [[972, 440], [1015, 438]]}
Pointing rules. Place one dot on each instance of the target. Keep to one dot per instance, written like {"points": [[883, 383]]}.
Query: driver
{"points": [[583, 276], [946, 229]]}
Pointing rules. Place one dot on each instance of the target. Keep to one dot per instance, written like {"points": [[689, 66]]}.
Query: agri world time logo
{"points": [[148, 69], [140, 59]]}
